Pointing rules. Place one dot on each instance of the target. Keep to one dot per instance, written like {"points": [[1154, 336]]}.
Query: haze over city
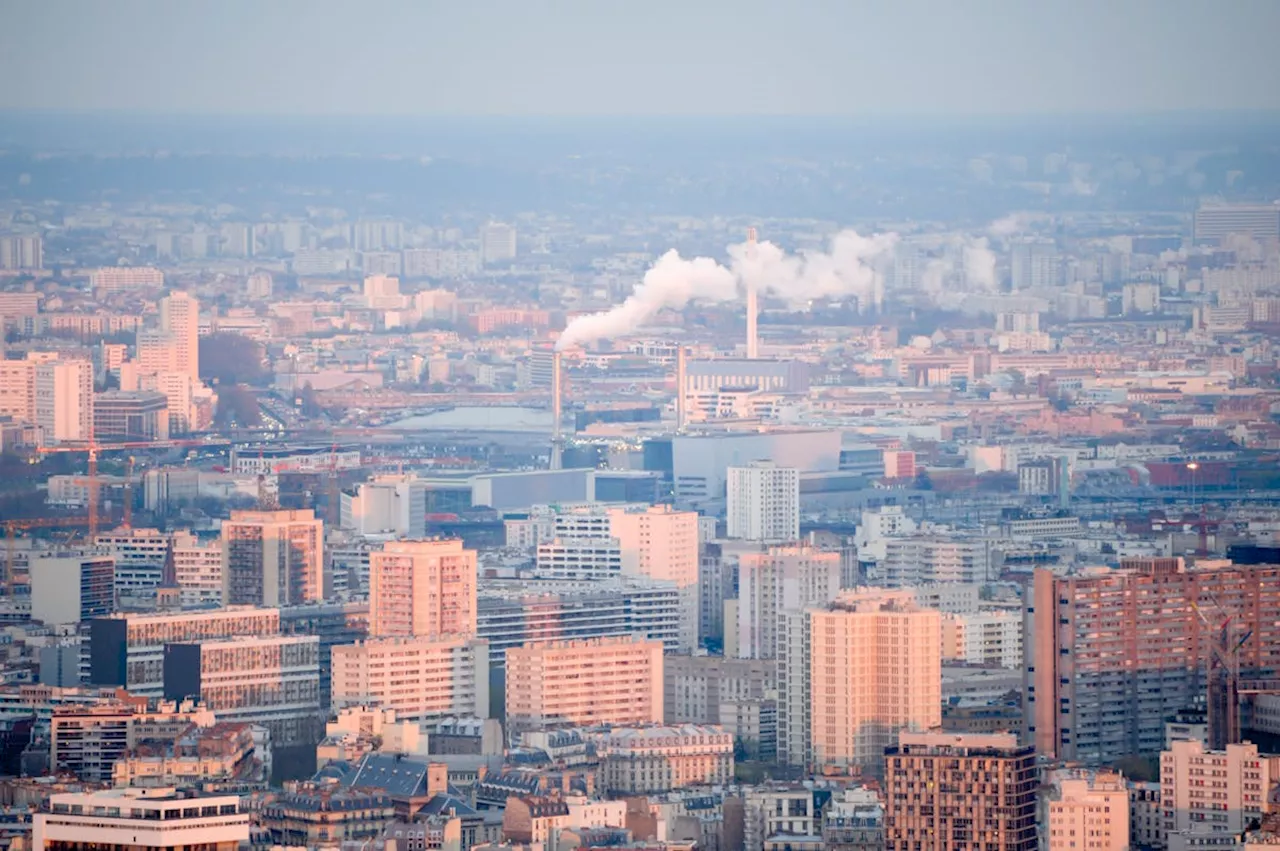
{"points": [[662, 426]]}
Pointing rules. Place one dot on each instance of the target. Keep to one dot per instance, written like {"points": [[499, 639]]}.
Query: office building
{"points": [[854, 675], [69, 586], [1089, 813], [422, 679], [661, 543], [1215, 222], [652, 760], [946, 791], [391, 505], [19, 252], [775, 582], [161, 818], [497, 242], [425, 589], [127, 650], [1208, 798], [272, 558], [273, 681], [763, 502], [1086, 703], [512, 613], [63, 400], [604, 681], [130, 415], [180, 319]]}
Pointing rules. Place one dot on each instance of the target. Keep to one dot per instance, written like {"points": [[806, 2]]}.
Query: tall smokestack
{"points": [[557, 410], [753, 307], [682, 413]]}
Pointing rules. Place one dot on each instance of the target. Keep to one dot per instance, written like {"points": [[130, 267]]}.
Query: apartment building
{"points": [[662, 543], [775, 582], [197, 568], [1111, 653], [651, 760], [1208, 798], [946, 791], [856, 674], [422, 679], [920, 559], [63, 400], [763, 502], [422, 589], [1089, 813], [270, 680], [991, 638], [272, 558], [69, 586], [602, 681]]}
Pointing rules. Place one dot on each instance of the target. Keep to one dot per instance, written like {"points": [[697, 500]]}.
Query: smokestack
{"points": [[753, 308], [556, 410], [681, 379]]}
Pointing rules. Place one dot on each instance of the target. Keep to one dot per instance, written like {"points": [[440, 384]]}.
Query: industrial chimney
{"points": [[753, 307], [556, 411], [682, 413]]}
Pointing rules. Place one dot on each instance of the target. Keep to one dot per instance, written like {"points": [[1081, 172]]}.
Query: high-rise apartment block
{"points": [[18, 389], [272, 558], [921, 559], [974, 791], [63, 400], [497, 242], [21, 251], [662, 543], [1215, 222], [1089, 813], [114, 278], [775, 582], [605, 681], [197, 568], [1111, 653], [1208, 798], [864, 668], [763, 502], [422, 679], [422, 588], [180, 319]]}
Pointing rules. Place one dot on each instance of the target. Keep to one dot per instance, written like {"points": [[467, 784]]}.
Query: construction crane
{"points": [[1223, 679], [92, 448]]}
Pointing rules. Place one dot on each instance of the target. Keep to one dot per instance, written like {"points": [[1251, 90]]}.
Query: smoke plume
{"points": [[846, 270]]}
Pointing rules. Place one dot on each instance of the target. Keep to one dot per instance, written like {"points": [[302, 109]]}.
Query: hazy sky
{"points": [[627, 57]]}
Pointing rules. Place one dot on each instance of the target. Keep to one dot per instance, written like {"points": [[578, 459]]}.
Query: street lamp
{"points": [[1193, 467]]}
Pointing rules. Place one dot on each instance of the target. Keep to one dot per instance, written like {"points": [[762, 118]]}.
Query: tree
{"points": [[237, 405], [231, 359], [307, 399]]}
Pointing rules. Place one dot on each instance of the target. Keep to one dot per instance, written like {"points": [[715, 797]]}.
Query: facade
{"points": [[873, 669], [21, 251], [180, 319], [697, 687], [775, 582], [422, 679], [662, 543], [972, 791], [272, 558], [650, 760], [763, 502], [197, 568], [578, 559], [919, 560], [780, 817], [142, 819], [72, 585], [515, 613], [309, 816], [114, 278], [63, 400], [1082, 702], [1090, 813], [273, 681], [132, 415], [1214, 222], [127, 650], [18, 389], [389, 505], [424, 589], [992, 638], [604, 681], [1208, 798], [87, 741]]}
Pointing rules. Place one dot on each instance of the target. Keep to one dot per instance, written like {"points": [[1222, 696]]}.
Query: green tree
{"points": [[231, 359]]}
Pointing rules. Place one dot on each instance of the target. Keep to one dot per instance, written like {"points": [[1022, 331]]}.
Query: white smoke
{"points": [[980, 266], [1011, 224], [847, 270]]}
